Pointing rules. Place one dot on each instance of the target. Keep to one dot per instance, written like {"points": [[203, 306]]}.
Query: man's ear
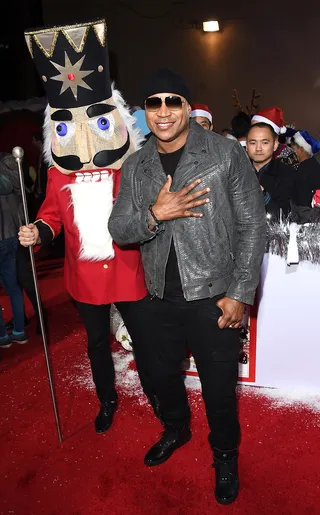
{"points": [[189, 109], [276, 144]]}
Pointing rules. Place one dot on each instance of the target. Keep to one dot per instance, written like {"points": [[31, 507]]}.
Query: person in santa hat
{"points": [[88, 133], [275, 177], [274, 117], [307, 179], [202, 115], [304, 145]]}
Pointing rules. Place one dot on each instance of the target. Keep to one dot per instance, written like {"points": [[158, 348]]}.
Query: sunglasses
{"points": [[173, 103]]}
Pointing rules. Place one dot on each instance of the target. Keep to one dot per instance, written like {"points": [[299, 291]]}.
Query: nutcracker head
{"points": [[87, 124]]}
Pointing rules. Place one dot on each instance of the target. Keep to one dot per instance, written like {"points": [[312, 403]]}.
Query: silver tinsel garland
{"points": [[308, 240]]}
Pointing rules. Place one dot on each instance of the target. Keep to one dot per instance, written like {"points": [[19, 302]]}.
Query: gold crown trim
{"points": [[47, 52], [78, 48], [29, 44], [60, 28], [99, 27], [101, 34]]}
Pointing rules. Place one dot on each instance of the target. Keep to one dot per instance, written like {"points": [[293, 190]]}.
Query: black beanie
{"points": [[167, 81]]}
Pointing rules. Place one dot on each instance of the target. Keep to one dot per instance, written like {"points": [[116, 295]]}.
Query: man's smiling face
{"points": [[88, 138], [168, 124]]}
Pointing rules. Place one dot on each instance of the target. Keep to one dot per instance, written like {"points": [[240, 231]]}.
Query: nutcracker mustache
{"points": [[102, 159]]}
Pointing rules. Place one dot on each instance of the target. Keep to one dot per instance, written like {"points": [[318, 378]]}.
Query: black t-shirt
{"points": [[173, 286]]}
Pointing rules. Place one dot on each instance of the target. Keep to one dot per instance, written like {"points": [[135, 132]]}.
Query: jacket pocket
{"points": [[211, 170], [230, 247], [196, 174]]}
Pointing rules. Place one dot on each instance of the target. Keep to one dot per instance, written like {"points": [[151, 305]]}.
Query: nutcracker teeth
{"points": [[96, 176]]}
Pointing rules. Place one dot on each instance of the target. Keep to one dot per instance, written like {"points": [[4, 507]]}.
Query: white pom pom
{"points": [[123, 337], [283, 130]]}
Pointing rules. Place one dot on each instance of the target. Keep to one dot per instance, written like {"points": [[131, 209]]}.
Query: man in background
{"points": [[273, 116], [276, 178], [304, 145], [307, 184], [11, 219], [202, 115], [240, 124]]}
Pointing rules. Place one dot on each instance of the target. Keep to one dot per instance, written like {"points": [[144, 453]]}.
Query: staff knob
{"points": [[18, 153]]}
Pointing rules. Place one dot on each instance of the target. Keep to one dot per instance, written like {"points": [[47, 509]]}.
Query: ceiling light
{"points": [[210, 26]]}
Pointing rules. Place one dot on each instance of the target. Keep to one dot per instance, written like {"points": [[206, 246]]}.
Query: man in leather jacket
{"points": [[192, 200]]}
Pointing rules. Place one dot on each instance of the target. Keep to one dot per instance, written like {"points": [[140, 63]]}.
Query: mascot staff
{"points": [[88, 134]]}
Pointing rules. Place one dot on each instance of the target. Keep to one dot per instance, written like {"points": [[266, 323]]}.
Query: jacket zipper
{"points": [[228, 239]]}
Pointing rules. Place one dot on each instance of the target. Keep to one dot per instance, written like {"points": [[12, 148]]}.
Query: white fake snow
{"points": [[128, 381]]}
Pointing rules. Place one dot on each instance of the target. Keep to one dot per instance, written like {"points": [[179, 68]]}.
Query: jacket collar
{"points": [[271, 168]]}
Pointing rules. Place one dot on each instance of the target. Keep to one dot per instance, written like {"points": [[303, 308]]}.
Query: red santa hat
{"points": [[274, 117], [201, 110]]}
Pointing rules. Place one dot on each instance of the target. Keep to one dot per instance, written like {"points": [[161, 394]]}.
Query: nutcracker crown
{"points": [[73, 62]]}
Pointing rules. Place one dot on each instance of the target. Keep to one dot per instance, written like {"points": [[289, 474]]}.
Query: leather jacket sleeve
{"points": [[128, 221], [10, 170], [250, 227], [5, 185]]}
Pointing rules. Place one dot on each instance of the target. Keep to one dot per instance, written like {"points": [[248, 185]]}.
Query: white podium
{"points": [[283, 347], [288, 323]]}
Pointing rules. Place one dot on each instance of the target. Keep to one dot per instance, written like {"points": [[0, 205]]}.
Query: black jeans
{"points": [[174, 325], [96, 319]]}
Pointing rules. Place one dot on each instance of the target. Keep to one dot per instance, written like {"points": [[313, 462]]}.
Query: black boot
{"points": [[155, 406], [171, 439], [105, 416], [227, 480]]}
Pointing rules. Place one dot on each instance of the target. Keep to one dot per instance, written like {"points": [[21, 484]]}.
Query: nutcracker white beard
{"points": [[92, 202]]}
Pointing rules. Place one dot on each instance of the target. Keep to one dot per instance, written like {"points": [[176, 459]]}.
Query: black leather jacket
{"points": [[11, 212], [220, 252]]}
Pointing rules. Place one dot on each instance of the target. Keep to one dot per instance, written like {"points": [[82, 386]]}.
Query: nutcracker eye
{"points": [[103, 123], [62, 129], [102, 126]]}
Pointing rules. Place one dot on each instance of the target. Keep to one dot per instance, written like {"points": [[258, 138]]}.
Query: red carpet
{"points": [[104, 474]]}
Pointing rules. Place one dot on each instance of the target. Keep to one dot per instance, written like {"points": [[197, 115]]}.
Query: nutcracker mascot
{"points": [[88, 133]]}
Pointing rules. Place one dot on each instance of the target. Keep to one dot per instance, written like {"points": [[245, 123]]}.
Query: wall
{"points": [[19, 81], [273, 51]]}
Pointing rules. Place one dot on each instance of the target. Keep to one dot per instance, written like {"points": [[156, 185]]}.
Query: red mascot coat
{"points": [[92, 282]]}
